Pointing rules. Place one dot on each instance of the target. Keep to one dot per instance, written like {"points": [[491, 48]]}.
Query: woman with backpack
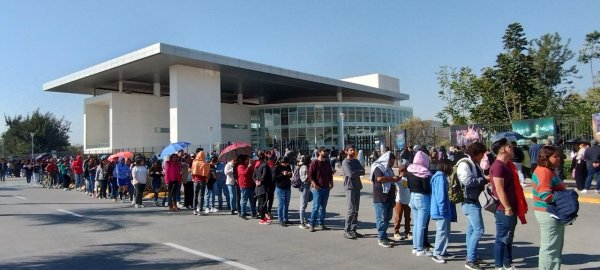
{"points": [[305, 194], [283, 189], [545, 184]]}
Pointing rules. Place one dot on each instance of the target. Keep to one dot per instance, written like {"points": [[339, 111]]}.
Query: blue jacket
{"points": [[565, 206], [122, 171], [440, 203]]}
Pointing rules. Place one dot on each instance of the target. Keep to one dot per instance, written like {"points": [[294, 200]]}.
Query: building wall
{"points": [[97, 121], [235, 121], [137, 120], [377, 80], [194, 105]]}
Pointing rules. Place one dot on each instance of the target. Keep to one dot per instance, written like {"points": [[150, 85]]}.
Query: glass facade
{"points": [[304, 125]]}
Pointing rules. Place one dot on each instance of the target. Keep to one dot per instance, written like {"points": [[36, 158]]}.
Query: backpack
{"points": [[455, 188], [296, 181]]}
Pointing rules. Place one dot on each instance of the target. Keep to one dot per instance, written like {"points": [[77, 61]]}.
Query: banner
{"points": [[544, 129], [400, 140], [596, 126], [466, 135]]}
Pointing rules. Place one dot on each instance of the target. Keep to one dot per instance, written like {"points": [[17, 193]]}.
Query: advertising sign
{"points": [[596, 126], [400, 140], [466, 135], [544, 129]]}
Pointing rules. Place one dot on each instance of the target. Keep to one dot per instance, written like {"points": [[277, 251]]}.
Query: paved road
{"points": [[56, 229]]}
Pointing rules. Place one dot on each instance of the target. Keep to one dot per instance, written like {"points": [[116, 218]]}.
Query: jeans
{"points": [[209, 198], [91, 183], [231, 197], [475, 229], [420, 206], [78, 180], [383, 215], [139, 193], [352, 204], [320, 198], [199, 189], [247, 195], [305, 195], [551, 242], [283, 199], [177, 192], [505, 232], [220, 190], [156, 181], [54, 178], [442, 234], [113, 188], [590, 176]]}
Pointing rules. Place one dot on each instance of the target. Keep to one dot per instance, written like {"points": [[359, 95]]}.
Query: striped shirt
{"points": [[545, 182]]}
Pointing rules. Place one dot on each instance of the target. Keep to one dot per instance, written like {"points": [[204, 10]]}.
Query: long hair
{"points": [[544, 156]]}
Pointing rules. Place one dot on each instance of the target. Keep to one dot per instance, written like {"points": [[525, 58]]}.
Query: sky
{"points": [[410, 40]]}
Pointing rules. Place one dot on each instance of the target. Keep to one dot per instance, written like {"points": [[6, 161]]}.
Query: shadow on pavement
{"points": [[110, 256]]}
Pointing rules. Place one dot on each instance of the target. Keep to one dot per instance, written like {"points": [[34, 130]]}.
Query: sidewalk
{"points": [[591, 197]]}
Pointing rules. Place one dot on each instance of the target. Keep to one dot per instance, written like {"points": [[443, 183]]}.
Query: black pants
{"points": [[188, 194], [199, 191], [66, 181], [238, 198], [103, 185], [270, 198], [262, 205], [139, 193], [173, 186]]}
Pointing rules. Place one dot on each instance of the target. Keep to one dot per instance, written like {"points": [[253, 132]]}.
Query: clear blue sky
{"points": [[410, 40]]}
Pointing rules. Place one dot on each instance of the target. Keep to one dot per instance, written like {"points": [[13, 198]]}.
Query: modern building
{"points": [[164, 93]]}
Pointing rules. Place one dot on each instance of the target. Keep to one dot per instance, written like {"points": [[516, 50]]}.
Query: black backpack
{"points": [[296, 181]]}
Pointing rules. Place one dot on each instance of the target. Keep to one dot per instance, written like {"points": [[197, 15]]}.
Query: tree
{"points": [[590, 51], [423, 132], [51, 133], [457, 90]]}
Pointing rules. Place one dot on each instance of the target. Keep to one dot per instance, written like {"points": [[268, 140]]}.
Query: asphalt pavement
{"points": [[55, 229]]}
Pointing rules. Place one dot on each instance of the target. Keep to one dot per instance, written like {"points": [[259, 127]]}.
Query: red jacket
{"points": [[172, 172], [77, 165], [245, 176]]}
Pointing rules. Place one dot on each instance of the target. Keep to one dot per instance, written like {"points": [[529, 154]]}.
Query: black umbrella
{"points": [[43, 156], [576, 140]]}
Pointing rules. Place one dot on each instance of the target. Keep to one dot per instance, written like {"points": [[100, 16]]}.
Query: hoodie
{"points": [[200, 168], [419, 174], [77, 165], [245, 175], [440, 203], [122, 170], [172, 172]]}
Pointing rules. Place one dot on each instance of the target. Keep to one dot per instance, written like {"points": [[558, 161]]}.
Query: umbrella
{"points": [[125, 154], [42, 156], [234, 150], [576, 140], [173, 148], [509, 135]]}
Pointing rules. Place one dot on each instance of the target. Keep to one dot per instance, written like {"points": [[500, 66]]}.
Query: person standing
{"points": [[77, 166], [172, 180], [52, 170], [580, 167], [592, 160], [544, 184], [321, 177], [352, 170], [110, 169], [232, 186], [471, 177], [209, 200], [157, 174], [304, 189], [188, 184], [504, 189], [92, 164], [3, 170], [518, 161], [122, 173], [262, 177], [401, 208], [220, 186], [384, 193], [282, 174], [101, 178], [200, 172], [139, 175], [244, 172], [419, 182], [441, 209], [534, 150]]}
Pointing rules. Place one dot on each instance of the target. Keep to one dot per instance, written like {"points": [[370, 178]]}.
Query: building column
{"points": [[156, 88], [339, 95], [195, 105], [240, 94], [120, 86]]}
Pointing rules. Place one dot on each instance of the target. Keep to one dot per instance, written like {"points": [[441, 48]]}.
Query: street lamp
{"points": [[32, 134], [342, 128], [210, 128]]}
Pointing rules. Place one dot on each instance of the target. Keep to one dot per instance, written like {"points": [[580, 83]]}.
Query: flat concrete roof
{"points": [[138, 71]]}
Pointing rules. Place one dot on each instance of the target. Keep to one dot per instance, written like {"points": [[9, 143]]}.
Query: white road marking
{"points": [[212, 257], [21, 197], [69, 212]]}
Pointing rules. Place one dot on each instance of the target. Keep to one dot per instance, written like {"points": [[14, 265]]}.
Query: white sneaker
{"points": [[397, 237], [597, 191], [414, 251], [424, 253], [510, 267], [214, 210], [137, 206], [584, 191], [206, 211]]}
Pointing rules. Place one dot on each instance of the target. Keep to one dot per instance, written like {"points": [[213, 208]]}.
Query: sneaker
{"points": [[114, 200], [283, 224], [302, 226], [195, 213], [348, 235], [438, 259], [323, 228], [206, 211], [141, 206], [397, 237], [214, 210], [384, 243], [472, 266], [414, 251], [311, 228], [136, 206], [409, 236], [509, 267], [132, 203], [480, 261], [424, 253], [584, 191], [358, 235], [156, 203], [263, 222]]}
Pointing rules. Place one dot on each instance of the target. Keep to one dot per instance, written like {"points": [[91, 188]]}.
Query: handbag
{"points": [[490, 202]]}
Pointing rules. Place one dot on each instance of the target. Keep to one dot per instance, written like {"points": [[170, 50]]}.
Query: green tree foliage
{"points": [[590, 51], [51, 133], [528, 80]]}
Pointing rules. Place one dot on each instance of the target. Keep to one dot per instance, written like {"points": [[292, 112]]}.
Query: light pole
{"points": [[32, 134], [210, 128], [342, 132]]}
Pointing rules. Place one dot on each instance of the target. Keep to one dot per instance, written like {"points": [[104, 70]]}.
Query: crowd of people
{"points": [[417, 192]]}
